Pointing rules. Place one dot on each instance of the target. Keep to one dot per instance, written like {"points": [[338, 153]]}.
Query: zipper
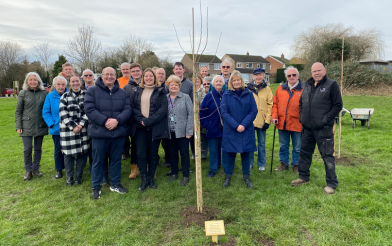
{"points": [[111, 103]]}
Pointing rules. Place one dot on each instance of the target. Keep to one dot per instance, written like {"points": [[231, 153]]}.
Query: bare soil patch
{"points": [[267, 241], [192, 216], [384, 90]]}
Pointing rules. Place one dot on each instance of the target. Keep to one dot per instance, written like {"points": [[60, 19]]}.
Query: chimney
{"points": [[282, 56], [247, 53]]}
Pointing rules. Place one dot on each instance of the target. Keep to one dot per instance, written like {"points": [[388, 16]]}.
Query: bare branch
{"points": [[178, 39], [201, 29], [207, 38], [217, 47], [43, 53]]}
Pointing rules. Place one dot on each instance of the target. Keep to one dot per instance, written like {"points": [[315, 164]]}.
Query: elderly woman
{"points": [[211, 120], [263, 96], [239, 109], [51, 115], [73, 132], [285, 116], [180, 118], [29, 122], [149, 125]]}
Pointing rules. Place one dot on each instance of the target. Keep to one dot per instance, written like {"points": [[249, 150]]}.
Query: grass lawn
{"points": [[45, 212]]}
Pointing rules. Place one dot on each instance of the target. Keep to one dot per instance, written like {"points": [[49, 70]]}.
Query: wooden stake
{"points": [[341, 92], [199, 188]]}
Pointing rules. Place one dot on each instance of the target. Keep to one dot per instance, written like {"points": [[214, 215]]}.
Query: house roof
{"points": [[247, 58], [206, 58], [285, 61], [375, 61]]}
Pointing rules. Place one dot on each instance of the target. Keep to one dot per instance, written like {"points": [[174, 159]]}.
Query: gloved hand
{"points": [[265, 127]]}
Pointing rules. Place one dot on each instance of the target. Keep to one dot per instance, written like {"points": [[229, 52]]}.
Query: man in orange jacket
{"points": [[285, 116]]}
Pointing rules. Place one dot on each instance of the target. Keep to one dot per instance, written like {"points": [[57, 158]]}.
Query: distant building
{"points": [[245, 64], [276, 62], [379, 65], [212, 62]]}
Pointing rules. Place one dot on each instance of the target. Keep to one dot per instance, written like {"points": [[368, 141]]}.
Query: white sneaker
{"points": [[261, 169]]}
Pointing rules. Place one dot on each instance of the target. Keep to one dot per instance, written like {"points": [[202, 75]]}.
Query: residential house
{"points": [[245, 64], [379, 65], [276, 62], [212, 62]]}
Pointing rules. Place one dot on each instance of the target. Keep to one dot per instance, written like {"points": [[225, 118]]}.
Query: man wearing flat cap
{"points": [[264, 100]]}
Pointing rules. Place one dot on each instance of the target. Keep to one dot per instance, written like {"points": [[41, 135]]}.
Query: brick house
{"points": [[245, 64], [211, 61], [276, 62]]}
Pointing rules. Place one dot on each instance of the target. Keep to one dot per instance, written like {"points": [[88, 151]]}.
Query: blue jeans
{"points": [[260, 149], [58, 155], [284, 142], [217, 156], [100, 148], [228, 166]]}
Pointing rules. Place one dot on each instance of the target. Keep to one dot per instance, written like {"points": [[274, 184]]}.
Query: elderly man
{"points": [[285, 116], [88, 79], [66, 73], [126, 74], [108, 109], [320, 102], [226, 68]]}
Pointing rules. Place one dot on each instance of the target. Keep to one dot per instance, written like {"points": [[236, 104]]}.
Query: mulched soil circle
{"points": [[192, 216]]}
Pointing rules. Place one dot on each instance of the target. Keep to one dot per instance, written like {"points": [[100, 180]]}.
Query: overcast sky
{"points": [[260, 27]]}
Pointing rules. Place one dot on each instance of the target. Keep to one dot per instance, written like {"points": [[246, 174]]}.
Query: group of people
{"points": [[104, 120]]}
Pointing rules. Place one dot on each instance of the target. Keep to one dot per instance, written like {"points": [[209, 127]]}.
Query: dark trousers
{"points": [[192, 144], [147, 151], [90, 153], [182, 145], [58, 154], [203, 145], [164, 146], [100, 148], [29, 163], [130, 145], [228, 166], [70, 161], [217, 156], [324, 139]]}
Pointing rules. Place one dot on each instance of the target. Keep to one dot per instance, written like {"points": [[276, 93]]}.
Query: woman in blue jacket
{"points": [[239, 110], [210, 119], [50, 113]]}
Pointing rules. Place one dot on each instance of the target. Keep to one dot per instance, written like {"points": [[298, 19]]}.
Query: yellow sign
{"points": [[215, 228]]}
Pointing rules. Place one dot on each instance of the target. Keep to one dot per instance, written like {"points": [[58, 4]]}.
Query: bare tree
{"points": [[10, 53], [133, 47], [84, 47], [43, 52]]}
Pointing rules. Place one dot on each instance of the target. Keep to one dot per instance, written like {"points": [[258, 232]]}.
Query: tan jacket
{"points": [[264, 101]]}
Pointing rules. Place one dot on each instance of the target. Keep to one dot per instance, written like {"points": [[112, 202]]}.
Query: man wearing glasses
{"points": [[88, 79], [285, 116], [226, 68], [319, 104], [108, 109]]}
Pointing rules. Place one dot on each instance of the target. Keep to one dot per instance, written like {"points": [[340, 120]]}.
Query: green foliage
{"points": [[332, 51], [57, 68], [300, 67], [280, 75], [148, 59]]}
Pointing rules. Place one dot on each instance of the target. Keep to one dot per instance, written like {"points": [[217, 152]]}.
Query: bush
{"points": [[280, 75]]}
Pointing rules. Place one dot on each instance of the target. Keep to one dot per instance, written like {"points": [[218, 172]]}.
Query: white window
{"points": [[258, 65], [284, 65], [263, 65], [266, 78], [239, 65], [203, 64], [217, 66], [249, 65]]}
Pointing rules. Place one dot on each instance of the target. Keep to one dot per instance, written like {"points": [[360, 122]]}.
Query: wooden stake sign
{"points": [[215, 228]]}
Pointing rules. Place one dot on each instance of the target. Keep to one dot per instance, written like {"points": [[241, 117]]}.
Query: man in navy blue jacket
{"points": [[108, 109]]}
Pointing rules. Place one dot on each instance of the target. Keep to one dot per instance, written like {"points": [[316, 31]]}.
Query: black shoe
{"points": [[105, 180], [170, 173], [227, 181], [144, 184], [96, 193], [78, 181], [166, 164], [210, 174], [185, 181], [152, 183], [28, 176], [59, 174], [247, 182], [69, 182], [118, 188], [172, 178], [37, 173]]}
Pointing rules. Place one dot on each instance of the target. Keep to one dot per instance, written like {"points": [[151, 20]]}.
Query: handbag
{"points": [[220, 116]]}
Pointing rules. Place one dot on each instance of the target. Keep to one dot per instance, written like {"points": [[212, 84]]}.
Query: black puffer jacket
{"points": [[319, 105], [131, 87], [157, 119]]}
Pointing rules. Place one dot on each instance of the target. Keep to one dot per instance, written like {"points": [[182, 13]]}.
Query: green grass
{"points": [[45, 212]]}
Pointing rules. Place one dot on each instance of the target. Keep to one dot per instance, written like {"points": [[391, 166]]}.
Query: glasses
{"points": [[206, 84], [224, 67], [88, 75], [291, 75], [109, 74]]}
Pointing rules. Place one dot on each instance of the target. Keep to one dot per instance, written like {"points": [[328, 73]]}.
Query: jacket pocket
{"points": [[328, 147], [26, 123]]}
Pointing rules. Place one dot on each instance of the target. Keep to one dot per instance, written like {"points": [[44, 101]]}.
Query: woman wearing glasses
{"points": [[263, 97], [285, 116]]}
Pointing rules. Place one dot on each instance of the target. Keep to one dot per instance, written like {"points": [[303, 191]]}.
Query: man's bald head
{"points": [[318, 71]]}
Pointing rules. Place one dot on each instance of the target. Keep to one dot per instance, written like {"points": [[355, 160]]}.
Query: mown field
{"points": [[45, 212]]}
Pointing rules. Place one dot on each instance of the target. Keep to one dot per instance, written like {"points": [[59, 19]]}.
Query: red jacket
{"points": [[286, 107]]}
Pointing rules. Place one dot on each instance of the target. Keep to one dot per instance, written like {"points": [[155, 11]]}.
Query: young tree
{"points": [[42, 51]]}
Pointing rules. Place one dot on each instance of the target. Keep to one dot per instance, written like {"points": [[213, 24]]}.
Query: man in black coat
{"points": [[108, 109], [319, 104]]}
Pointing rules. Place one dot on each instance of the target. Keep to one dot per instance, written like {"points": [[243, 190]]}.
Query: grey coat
{"points": [[183, 115]]}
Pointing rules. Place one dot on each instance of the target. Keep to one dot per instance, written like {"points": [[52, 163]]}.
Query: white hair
{"points": [[61, 78], [40, 83], [227, 60], [125, 64], [288, 68], [215, 77], [162, 69], [87, 70]]}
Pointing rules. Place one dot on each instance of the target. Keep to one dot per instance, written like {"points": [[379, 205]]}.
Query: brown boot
{"points": [[282, 167], [37, 173], [298, 182], [328, 190], [295, 168], [134, 171], [28, 176]]}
